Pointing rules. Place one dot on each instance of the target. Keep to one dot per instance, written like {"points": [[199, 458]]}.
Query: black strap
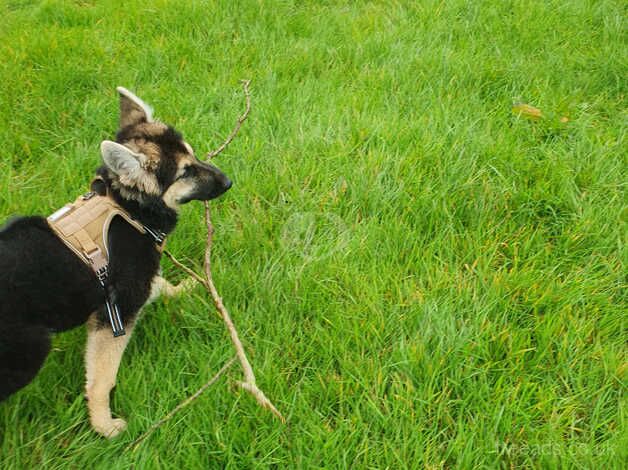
{"points": [[156, 235], [111, 307]]}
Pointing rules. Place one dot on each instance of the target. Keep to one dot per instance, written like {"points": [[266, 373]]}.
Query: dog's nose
{"points": [[227, 184]]}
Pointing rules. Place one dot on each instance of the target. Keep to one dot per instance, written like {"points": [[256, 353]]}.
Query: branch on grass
{"points": [[241, 119], [133, 445], [189, 271], [249, 383]]}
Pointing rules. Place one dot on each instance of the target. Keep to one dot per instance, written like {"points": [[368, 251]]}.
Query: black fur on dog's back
{"points": [[42, 282], [46, 288], [43, 287]]}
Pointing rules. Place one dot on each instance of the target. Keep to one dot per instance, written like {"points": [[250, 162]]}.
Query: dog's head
{"points": [[150, 159]]}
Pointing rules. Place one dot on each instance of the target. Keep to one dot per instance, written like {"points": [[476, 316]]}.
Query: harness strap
{"points": [[87, 244], [83, 226]]}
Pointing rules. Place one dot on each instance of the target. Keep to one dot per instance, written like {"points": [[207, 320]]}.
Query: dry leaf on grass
{"points": [[527, 111]]}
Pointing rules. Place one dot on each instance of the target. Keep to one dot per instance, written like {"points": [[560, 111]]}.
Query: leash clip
{"points": [[157, 236], [113, 312]]}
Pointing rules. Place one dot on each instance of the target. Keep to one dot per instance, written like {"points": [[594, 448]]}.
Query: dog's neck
{"points": [[150, 211]]}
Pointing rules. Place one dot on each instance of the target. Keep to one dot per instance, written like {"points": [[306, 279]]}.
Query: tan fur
{"points": [[130, 113], [132, 108], [176, 192], [144, 179], [104, 352], [149, 151], [188, 148], [151, 129], [181, 188], [102, 359], [161, 287], [185, 159], [141, 180]]}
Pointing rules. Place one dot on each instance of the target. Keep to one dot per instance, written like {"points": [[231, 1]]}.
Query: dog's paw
{"points": [[185, 286], [110, 428]]}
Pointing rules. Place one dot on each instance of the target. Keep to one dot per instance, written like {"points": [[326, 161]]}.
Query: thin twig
{"points": [[241, 119], [181, 405], [249, 383], [189, 271]]}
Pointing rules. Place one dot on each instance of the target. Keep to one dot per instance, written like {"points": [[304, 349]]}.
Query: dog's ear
{"points": [[132, 109], [120, 159]]}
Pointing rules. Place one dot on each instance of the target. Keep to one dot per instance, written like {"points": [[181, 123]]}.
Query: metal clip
{"points": [[103, 275], [113, 312], [157, 236], [114, 318], [88, 195]]}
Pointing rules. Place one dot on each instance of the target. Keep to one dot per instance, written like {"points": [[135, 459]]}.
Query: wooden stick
{"points": [[181, 405], [189, 271], [249, 383], [241, 119]]}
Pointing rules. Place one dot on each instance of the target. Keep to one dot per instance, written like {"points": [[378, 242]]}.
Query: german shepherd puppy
{"points": [[44, 287]]}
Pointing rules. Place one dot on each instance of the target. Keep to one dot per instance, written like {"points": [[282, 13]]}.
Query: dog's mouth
{"points": [[207, 192]]}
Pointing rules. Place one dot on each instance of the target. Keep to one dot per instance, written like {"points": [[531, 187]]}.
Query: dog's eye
{"points": [[188, 171]]}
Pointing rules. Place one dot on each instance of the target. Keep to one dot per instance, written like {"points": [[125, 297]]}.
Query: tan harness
{"points": [[84, 228]]}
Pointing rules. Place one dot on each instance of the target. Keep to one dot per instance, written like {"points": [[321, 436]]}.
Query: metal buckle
{"points": [[103, 274], [117, 327], [113, 312], [157, 236], [88, 195]]}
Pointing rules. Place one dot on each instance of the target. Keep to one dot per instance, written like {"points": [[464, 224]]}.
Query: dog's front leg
{"points": [[161, 287], [102, 359]]}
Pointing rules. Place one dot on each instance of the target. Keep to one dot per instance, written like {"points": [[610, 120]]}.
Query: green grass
{"points": [[421, 278]]}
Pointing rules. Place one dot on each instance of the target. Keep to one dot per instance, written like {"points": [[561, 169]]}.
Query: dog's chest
{"points": [[133, 263]]}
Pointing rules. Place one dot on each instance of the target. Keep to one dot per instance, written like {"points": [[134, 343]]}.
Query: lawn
{"points": [[422, 278]]}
